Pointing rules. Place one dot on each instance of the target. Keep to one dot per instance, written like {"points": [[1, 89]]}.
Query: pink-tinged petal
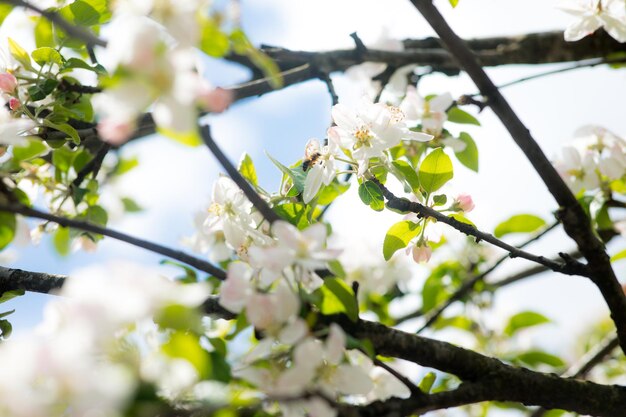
{"points": [[237, 288], [422, 253], [260, 311], [335, 344], [8, 83], [344, 117], [464, 202], [216, 100], [115, 132]]}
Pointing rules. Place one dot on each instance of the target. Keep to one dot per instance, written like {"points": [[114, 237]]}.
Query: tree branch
{"points": [[18, 279], [256, 200], [404, 205], [501, 382], [197, 263], [575, 222]]}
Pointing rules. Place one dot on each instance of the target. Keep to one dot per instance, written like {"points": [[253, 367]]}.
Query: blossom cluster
{"points": [[96, 344], [594, 160]]}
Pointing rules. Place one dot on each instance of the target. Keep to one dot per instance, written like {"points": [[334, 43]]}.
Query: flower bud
{"points": [[422, 253], [216, 100], [464, 203], [8, 83], [115, 132], [14, 103]]}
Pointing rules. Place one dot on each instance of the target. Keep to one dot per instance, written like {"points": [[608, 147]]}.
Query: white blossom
{"points": [[594, 14]]}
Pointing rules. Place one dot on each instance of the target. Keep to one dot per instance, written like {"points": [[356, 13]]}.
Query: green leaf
{"points": [[454, 3], [213, 41], [41, 90], [520, 223], [9, 295], [330, 192], [96, 215], [458, 322], [524, 320], [432, 291], [435, 170], [73, 63], [43, 33], [191, 138], [178, 317], [534, 358], [20, 55], [61, 241], [461, 218], [456, 115], [7, 228], [371, 195], [247, 170], [62, 159], [469, 155], [336, 268], [619, 255], [440, 199], [6, 313], [46, 55], [295, 213], [243, 46], [409, 175], [338, 297], [33, 149], [427, 382], [130, 205], [126, 164], [5, 329], [86, 12], [399, 236], [297, 175], [187, 346], [65, 128]]}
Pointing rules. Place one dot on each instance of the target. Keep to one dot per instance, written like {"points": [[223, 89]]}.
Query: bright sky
{"points": [[173, 182]]}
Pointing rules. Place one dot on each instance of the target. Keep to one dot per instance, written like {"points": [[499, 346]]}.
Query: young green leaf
{"points": [[247, 170], [399, 236], [524, 320], [409, 175], [46, 55], [371, 195], [32, 149], [7, 228], [427, 382], [456, 115], [435, 170], [469, 155], [338, 297], [520, 223], [20, 55], [9, 295]]}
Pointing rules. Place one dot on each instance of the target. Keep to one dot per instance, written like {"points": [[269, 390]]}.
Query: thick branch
{"points": [[198, 263], [18, 279], [503, 382], [575, 221]]}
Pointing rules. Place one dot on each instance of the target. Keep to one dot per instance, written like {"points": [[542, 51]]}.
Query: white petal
{"points": [[335, 344]]}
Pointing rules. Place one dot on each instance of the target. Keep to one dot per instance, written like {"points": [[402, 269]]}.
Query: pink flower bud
{"points": [[216, 100], [115, 132], [422, 253], [14, 103], [464, 202], [8, 83]]}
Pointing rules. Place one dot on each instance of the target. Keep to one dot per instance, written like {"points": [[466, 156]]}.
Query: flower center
{"points": [[363, 137], [397, 115]]}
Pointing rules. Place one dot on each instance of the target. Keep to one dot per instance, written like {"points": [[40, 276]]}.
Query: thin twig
{"points": [[403, 205], [469, 284], [256, 200], [190, 260], [406, 381], [93, 166]]}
